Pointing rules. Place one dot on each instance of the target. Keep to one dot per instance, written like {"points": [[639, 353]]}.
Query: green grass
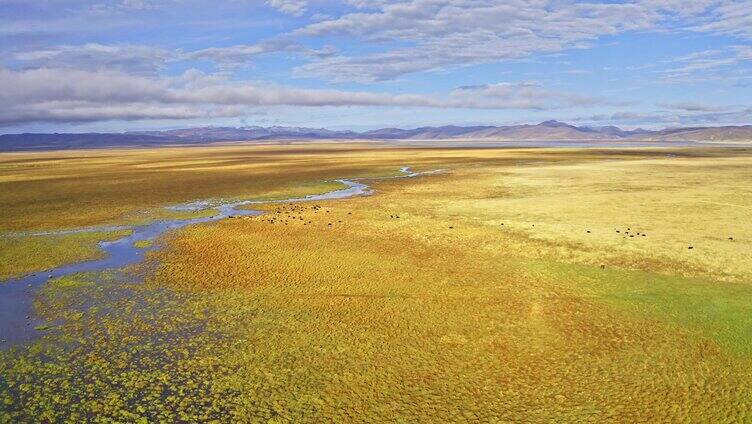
{"points": [[68, 282], [721, 312], [142, 244], [20, 255]]}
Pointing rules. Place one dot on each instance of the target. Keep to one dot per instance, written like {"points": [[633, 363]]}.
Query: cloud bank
{"points": [[63, 95]]}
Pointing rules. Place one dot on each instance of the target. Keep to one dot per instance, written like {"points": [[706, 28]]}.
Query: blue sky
{"points": [[73, 66]]}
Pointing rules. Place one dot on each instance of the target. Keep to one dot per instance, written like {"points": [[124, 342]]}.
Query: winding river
{"points": [[17, 318]]}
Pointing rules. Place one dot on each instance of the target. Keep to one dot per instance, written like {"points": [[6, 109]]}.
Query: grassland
{"points": [[81, 188], [60, 190], [498, 291], [21, 255]]}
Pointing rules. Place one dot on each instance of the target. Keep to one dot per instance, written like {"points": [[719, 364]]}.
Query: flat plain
{"points": [[517, 285]]}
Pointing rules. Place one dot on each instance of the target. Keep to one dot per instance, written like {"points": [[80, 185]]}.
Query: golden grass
{"points": [[639, 214], [406, 319], [416, 304], [43, 190], [81, 188]]}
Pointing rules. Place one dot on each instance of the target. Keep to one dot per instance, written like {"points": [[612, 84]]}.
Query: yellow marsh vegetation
{"points": [[44, 190], [80, 188], [643, 214], [417, 304], [52, 190]]}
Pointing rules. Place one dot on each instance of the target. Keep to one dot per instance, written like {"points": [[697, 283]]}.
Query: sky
{"points": [[122, 65]]}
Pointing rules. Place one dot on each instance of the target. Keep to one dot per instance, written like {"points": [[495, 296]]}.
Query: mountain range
{"points": [[545, 131]]}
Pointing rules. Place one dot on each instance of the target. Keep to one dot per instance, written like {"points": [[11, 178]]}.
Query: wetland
{"points": [[296, 283]]}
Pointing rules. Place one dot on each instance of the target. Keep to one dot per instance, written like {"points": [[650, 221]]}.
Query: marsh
{"points": [[505, 291]]}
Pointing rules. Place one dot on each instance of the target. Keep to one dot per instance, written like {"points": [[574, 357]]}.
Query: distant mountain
{"points": [[618, 132], [246, 133], [423, 133], [186, 136], [707, 134], [19, 142], [559, 131], [545, 131]]}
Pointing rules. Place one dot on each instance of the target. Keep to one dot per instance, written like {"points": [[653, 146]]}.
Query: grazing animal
{"points": [[451, 228], [690, 247], [731, 238]]}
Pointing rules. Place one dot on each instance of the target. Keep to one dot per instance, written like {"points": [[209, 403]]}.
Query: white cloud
{"points": [[123, 6], [523, 95], [142, 60], [743, 52], [243, 52], [730, 18], [709, 65], [74, 95], [290, 7], [444, 33], [146, 60], [232, 57], [694, 107]]}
